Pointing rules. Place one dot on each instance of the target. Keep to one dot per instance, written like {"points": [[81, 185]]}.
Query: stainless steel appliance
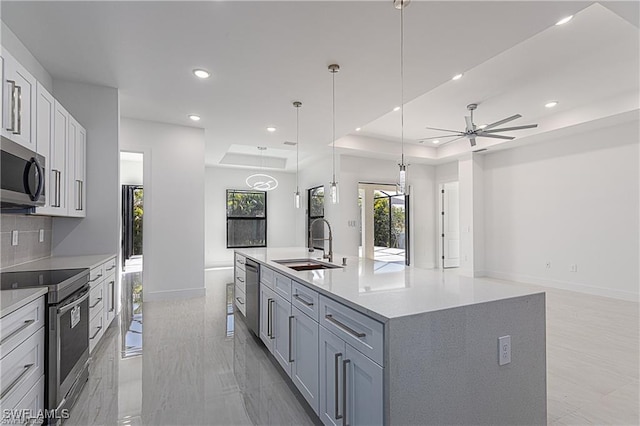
{"points": [[22, 182], [252, 285], [67, 330]]}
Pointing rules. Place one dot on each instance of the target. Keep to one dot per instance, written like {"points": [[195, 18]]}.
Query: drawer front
{"points": [[95, 275], [96, 299], [109, 267], [240, 261], [306, 300], [21, 369], [360, 331], [241, 278], [96, 330], [267, 277], [31, 400], [282, 286], [241, 301], [20, 324]]}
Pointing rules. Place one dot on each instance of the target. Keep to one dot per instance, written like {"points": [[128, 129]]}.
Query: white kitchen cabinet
{"points": [[267, 300], [76, 159], [351, 387], [304, 356], [58, 162], [45, 140], [110, 297], [19, 100], [282, 321]]}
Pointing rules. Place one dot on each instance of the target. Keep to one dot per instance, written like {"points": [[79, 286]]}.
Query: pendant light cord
{"points": [[333, 75], [402, 80], [297, 146]]}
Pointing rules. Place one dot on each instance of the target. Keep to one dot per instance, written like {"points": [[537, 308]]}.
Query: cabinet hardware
{"points": [[112, 268], [239, 301], [19, 96], [95, 278], [272, 333], [290, 337], [113, 295], [302, 300], [336, 392], [13, 384], [13, 106], [96, 333], [345, 363], [240, 279], [78, 195], [96, 304], [26, 324], [344, 327], [75, 303]]}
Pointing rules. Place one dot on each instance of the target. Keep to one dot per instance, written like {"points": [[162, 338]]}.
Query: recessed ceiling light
{"points": [[436, 141], [397, 108], [456, 77], [194, 117], [271, 129], [358, 129], [551, 104], [200, 73], [564, 20]]}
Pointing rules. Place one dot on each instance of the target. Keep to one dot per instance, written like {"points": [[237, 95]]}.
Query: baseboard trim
{"points": [[187, 293], [565, 285]]}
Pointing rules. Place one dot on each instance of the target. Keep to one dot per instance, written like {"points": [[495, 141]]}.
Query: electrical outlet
{"points": [[548, 264], [504, 350], [41, 236], [14, 238], [573, 268]]}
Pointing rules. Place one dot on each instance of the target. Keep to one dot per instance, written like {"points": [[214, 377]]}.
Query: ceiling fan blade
{"points": [[452, 140], [482, 135], [508, 129], [443, 130], [472, 140], [442, 136], [506, 120], [469, 122]]}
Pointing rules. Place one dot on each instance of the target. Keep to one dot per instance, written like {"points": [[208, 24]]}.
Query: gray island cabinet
{"points": [[374, 343]]}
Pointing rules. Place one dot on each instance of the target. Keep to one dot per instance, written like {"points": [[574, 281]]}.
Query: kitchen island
{"points": [[403, 345]]}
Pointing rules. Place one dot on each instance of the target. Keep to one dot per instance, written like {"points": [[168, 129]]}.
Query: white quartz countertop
{"points": [[62, 262], [386, 290], [12, 300]]}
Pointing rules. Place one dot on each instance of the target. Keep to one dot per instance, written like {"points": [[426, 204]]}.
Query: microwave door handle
{"points": [[40, 174]]}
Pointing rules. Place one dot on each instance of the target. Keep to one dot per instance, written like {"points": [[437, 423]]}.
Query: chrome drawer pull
{"points": [[22, 327], [95, 278], [344, 327], [344, 391], [13, 106], [19, 98], [337, 397], [240, 279], [96, 333], [13, 384], [96, 304], [239, 301], [112, 268], [290, 337], [302, 300]]}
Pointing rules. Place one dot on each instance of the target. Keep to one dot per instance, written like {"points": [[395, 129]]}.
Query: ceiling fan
{"points": [[472, 131]]}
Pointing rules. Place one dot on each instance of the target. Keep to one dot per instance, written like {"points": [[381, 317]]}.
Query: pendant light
{"points": [[296, 197], [402, 178], [333, 188]]}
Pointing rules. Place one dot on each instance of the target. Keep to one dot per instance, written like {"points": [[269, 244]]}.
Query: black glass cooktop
{"points": [[61, 282]]}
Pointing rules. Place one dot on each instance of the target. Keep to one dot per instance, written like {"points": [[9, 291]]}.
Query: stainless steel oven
{"points": [[22, 177]]}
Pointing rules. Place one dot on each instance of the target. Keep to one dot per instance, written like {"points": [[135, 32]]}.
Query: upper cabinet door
{"points": [[58, 161], [77, 160], [19, 100], [45, 116]]}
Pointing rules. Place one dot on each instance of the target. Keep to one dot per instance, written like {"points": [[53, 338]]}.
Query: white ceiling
{"points": [[264, 55]]}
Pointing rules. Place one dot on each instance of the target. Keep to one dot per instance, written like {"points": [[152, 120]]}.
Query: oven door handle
{"points": [[74, 303]]}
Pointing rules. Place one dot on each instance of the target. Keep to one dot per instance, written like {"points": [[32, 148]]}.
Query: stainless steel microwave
{"points": [[22, 177]]}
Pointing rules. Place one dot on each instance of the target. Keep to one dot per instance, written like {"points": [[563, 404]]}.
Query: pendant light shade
{"points": [[402, 177], [296, 195], [333, 188]]}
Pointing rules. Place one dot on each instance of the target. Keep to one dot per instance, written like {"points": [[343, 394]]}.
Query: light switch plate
{"points": [[41, 236], [504, 350], [14, 238]]}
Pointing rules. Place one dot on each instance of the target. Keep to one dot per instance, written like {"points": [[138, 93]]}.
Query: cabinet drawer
{"points": [[96, 330], [96, 299], [241, 300], [95, 275], [22, 368], [360, 331], [31, 400], [267, 276], [282, 286], [109, 267], [240, 261], [20, 324], [305, 299], [241, 277]]}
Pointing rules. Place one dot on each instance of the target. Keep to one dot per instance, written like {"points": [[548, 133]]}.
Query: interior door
{"points": [[450, 225]]}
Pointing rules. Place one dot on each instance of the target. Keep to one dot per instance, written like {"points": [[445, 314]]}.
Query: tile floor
{"points": [[199, 365]]}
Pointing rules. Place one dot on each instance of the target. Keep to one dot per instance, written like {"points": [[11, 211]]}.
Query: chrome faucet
{"points": [[311, 239]]}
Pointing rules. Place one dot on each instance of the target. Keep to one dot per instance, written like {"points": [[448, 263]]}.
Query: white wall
{"points": [[24, 56], [131, 172], [281, 214], [353, 170], [173, 243], [568, 201], [97, 109]]}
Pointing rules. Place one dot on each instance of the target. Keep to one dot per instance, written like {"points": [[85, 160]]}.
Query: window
{"points": [[246, 218], [316, 211]]}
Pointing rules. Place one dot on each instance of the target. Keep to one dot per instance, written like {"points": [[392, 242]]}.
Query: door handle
{"points": [[290, 337], [272, 334], [12, 109], [56, 202], [269, 318], [345, 363], [19, 97], [335, 383]]}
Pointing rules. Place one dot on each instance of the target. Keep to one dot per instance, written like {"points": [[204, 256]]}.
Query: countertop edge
{"points": [[31, 294], [62, 262]]}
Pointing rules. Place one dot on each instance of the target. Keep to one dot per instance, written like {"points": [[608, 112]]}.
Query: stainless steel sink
{"points": [[305, 264]]}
